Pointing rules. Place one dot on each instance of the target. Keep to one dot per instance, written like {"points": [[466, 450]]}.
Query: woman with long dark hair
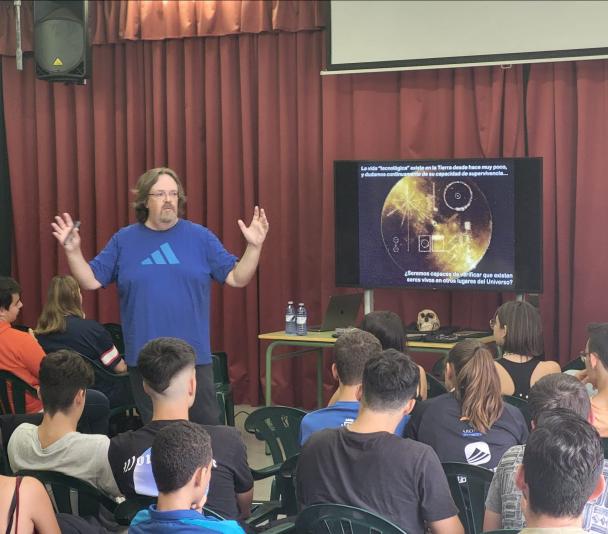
{"points": [[471, 423], [518, 330], [62, 325]]}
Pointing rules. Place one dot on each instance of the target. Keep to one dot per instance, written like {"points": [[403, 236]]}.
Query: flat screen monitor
{"points": [[439, 224]]}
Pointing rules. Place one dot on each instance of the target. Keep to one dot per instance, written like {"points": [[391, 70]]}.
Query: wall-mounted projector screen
{"points": [[439, 224], [430, 34]]}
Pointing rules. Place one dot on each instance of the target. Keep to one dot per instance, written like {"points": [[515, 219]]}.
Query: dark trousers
{"points": [[205, 409]]}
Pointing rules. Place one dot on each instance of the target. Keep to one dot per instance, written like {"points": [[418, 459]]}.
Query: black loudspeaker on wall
{"points": [[61, 41]]}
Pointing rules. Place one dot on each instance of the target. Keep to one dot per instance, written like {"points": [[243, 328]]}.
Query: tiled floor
{"points": [[255, 453]]}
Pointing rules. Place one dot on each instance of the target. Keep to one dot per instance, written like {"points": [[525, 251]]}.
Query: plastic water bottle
{"points": [[301, 316], [290, 319]]}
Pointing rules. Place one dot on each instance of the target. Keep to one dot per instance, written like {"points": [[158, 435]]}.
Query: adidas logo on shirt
{"points": [[477, 453], [163, 256]]}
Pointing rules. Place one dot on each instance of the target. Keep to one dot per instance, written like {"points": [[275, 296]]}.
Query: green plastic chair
{"points": [[19, 389], [434, 387], [469, 486], [522, 404], [223, 388], [70, 495], [279, 428], [287, 503], [339, 518]]}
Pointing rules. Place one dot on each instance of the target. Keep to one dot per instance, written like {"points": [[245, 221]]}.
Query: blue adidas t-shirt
{"points": [[339, 414], [164, 283], [151, 521]]}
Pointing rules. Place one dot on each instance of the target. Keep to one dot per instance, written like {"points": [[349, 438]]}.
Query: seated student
{"points": [[182, 467], [367, 466], [503, 503], [471, 423], [167, 367], [517, 329], [561, 471], [595, 357], [20, 353], [62, 326], [55, 445], [388, 327], [25, 503], [351, 351]]}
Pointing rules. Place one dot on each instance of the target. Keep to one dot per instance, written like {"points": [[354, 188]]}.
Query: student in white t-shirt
{"points": [[55, 445]]}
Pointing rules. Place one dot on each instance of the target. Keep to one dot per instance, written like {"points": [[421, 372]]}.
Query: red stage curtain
{"points": [[567, 110], [231, 115], [115, 21], [247, 118]]}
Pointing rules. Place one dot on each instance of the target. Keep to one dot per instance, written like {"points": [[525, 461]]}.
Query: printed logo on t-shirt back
{"points": [[470, 433], [477, 453], [164, 255]]}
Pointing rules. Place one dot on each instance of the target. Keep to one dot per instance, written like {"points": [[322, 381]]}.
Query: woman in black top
{"points": [[471, 423], [518, 331], [62, 325]]}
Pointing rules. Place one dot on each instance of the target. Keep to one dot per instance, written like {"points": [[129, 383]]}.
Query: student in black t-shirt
{"points": [[167, 367], [471, 423], [62, 325], [367, 466]]}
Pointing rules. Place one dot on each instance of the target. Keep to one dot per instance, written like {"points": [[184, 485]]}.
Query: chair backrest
{"points": [[286, 481], [279, 427], [434, 387], [339, 518], [469, 486], [220, 368], [522, 404], [70, 495], [18, 389], [605, 445], [115, 331]]}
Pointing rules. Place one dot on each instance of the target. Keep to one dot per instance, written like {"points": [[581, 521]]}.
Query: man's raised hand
{"points": [[66, 232], [255, 233]]}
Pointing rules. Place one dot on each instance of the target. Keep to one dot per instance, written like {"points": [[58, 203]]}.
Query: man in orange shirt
{"points": [[20, 353]]}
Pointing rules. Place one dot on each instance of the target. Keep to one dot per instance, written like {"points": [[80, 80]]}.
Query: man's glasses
{"points": [[165, 194]]}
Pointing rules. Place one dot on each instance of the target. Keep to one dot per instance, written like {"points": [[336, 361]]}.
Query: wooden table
{"points": [[317, 341]]}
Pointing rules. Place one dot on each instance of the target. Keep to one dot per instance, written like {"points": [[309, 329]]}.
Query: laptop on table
{"points": [[341, 312]]}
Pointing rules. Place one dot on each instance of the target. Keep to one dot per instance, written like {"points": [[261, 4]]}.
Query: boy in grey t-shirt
{"points": [[55, 445]]}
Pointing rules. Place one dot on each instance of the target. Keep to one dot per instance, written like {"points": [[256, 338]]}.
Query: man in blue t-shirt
{"points": [[182, 485], [351, 352], [163, 267]]}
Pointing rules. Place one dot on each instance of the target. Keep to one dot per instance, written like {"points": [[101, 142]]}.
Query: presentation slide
{"points": [[437, 224]]}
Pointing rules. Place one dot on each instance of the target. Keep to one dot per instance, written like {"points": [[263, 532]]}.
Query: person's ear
{"points": [[80, 397], [359, 392], [334, 372], [448, 372], [520, 479], [409, 406], [192, 383], [593, 360], [146, 388], [599, 488]]}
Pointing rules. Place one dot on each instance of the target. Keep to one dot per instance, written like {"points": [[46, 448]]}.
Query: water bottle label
{"points": [[301, 320], [289, 318]]}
